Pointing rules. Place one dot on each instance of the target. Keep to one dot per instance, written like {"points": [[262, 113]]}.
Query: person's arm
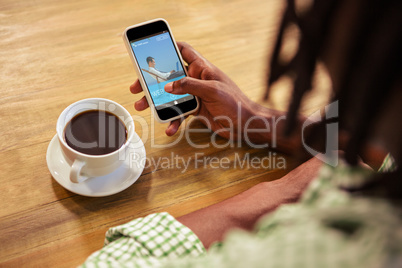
{"points": [[225, 106], [242, 211]]}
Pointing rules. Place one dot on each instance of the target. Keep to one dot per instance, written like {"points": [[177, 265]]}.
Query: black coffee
{"points": [[95, 132]]}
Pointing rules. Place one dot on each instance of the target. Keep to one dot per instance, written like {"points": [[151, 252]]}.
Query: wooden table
{"points": [[53, 53]]}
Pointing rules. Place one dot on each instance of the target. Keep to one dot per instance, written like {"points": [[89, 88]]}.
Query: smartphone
{"points": [[157, 61]]}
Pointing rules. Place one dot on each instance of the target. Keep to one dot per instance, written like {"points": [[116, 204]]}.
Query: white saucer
{"points": [[113, 183]]}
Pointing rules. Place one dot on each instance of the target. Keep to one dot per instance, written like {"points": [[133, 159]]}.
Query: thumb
{"points": [[193, 86]]}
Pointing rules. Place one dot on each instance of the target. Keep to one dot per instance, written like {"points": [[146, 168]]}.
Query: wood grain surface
{"points": [[53, 53]]}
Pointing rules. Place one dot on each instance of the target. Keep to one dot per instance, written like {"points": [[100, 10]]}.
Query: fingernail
{"points": [[169, 87]]}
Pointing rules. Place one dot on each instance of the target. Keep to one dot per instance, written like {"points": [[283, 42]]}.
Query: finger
{"points": [[136, 87], [188, 53], [188, 85], [173, 127], [141, 105], [198, 66]]}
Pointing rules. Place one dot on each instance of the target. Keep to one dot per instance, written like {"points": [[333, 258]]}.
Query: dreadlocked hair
{"points": [[372, 67]]}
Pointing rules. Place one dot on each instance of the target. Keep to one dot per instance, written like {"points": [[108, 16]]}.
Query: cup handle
{"points": [[75, 172]]}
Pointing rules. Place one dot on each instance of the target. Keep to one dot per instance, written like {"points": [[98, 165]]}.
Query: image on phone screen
{"points": [[159, 64]]}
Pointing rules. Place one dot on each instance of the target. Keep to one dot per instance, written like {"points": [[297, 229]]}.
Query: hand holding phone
{"points": [[220, 99], [155, 55]]}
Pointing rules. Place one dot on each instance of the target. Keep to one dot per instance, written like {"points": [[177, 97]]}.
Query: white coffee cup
{"points": [[84, 166]]}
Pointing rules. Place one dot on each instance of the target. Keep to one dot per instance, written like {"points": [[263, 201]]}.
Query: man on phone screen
{"points": [[165, 76]]}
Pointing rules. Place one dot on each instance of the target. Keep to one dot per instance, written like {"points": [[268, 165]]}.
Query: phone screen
{"points": [[159, 63]]}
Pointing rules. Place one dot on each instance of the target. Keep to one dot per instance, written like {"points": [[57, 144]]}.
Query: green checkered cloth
{"points": [[327, 228], [145, 241]]}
